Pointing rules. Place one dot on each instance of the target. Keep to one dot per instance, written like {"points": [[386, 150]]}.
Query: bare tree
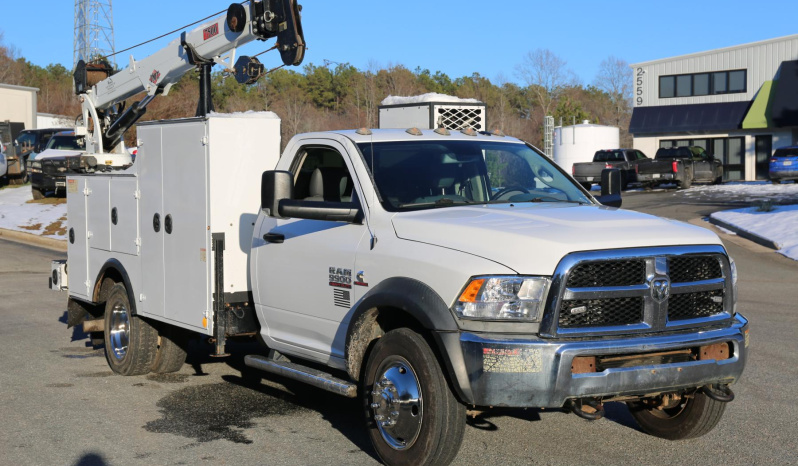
{"points": [[546, 75], [615, 78]]}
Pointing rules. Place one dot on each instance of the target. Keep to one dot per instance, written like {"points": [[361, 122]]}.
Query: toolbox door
{"points": [[77, 240], [186, 224]]}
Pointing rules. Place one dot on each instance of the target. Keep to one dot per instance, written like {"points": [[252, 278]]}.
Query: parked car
{"points": [[48, 169], [625, 160], [784, 165], [28, 143], [682, 166]]}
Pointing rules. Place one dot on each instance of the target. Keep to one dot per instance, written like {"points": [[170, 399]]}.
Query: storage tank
{"points": [[578, 143]]}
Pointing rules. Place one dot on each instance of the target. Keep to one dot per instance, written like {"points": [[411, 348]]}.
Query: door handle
{"points": [[274, 237]]}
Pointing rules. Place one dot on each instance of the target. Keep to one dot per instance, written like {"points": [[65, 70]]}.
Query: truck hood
{"points": [[57, 153], [533, 238]]}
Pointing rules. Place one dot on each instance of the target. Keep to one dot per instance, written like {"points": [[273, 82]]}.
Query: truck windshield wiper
{"points": [[443, 202]]}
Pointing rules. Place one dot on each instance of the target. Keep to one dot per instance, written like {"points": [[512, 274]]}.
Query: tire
{"points": [[131, 342], [427, 430], [718, 180], [587, 186], [38, 194], [689, 419], [688, 181], [776, 181], [171, 354]]}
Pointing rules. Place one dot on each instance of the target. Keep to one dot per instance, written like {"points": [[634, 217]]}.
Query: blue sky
{"points": [[455, 37]]}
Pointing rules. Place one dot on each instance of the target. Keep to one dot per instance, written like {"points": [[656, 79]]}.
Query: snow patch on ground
{"points": [[19, 215], [751, 191], [425, 98], [779, 225]]}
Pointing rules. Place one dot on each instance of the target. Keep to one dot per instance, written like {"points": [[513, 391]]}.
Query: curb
{"points": [[34, 240], [745, 234]]}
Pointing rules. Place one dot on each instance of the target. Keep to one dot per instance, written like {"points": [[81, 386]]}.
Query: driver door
{"points": [[305, 272]]}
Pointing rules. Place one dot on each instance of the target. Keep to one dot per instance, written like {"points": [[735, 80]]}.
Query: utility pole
{"points": [[94, 31]]}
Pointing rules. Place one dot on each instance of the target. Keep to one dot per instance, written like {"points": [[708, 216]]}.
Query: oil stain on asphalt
{"points": [[216, 411]]}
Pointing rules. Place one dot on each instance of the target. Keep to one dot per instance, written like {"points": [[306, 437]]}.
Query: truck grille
{"points": [[608, 273], [600, 312], [695, 305], [693, 268], [636, 291]]}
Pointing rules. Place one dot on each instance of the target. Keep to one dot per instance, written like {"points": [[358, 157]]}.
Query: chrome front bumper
{"points": [[533, 372]]}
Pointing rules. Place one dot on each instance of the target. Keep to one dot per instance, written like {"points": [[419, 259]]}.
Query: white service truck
{"points": [[424, 271]]}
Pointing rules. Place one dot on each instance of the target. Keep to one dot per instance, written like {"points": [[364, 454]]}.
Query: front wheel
{"points": [[38, 194], [131, 342], [776, 181], [412, 416], [679, 418]]}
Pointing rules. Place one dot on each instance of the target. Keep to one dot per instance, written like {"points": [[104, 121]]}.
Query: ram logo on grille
{"points": [[660, 289]]}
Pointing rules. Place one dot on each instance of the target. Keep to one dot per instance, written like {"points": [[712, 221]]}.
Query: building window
{"points": [[719, 83], [667, 87], [690, 85], [737, 81], [701, 84], [684, 85]]}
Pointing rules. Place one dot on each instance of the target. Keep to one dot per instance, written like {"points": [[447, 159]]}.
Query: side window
{"points": [[320, 174]]}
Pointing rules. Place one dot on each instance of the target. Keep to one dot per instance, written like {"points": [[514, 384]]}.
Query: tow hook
{"points": [[718, 392], [587, 408]]}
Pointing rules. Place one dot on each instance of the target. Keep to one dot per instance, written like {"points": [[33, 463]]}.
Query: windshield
{"points": [[608, 156], [413, 175], [67, 143], [674, 153]]}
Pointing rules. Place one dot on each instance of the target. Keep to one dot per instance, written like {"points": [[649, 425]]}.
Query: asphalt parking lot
{"points": [[62, 405]]}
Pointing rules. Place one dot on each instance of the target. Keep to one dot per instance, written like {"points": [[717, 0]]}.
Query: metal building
{"points": [[740, 103], [18, 105]]}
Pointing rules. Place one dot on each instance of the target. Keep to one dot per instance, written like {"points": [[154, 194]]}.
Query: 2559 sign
{"points": [[639, 86]]}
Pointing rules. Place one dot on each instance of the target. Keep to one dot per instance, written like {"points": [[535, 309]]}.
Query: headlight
{"points": [[503, 298]]}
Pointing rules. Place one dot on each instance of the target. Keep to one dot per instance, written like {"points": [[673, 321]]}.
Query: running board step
{"points": [[303, 374]]}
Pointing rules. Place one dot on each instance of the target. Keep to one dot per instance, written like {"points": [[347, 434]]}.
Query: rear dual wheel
{"points": [[413, 417], [130, 341], [133, 346]]}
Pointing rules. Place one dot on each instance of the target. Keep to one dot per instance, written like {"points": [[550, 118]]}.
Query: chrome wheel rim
{"points": [[396, 403], [119, 331]]}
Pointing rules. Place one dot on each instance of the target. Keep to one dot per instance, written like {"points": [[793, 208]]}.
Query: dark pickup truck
{"points": [[625, 160], [681, 166]]}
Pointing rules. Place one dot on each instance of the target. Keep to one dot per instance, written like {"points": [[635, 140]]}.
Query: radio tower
{"points": [[94, 31]]}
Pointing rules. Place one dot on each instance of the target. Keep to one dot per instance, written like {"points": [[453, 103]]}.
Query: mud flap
{"points": [[77, 312]]}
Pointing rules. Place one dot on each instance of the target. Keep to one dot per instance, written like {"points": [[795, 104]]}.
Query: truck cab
{"points": [[379, 252]]}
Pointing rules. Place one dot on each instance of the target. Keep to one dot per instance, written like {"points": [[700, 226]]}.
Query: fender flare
{"points": [[427, 307], [113, 264], [411, 296]]}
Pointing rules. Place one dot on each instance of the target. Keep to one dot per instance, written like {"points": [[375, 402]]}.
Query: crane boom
{"points": [[202, 47]]}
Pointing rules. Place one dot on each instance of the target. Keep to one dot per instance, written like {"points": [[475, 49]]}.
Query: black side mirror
{"points": [[610, 187], [275, 186]]}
